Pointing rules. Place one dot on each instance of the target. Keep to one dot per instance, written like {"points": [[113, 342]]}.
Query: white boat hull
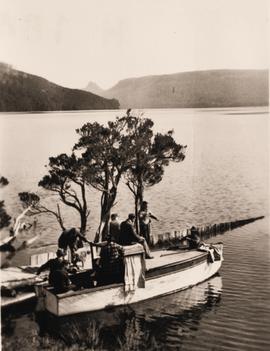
{"points": [[115, 295]]}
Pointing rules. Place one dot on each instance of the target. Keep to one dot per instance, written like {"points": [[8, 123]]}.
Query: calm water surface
{"points": [[224, 177]]}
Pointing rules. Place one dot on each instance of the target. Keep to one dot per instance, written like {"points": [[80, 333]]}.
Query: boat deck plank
{"points": [[166, 257]]}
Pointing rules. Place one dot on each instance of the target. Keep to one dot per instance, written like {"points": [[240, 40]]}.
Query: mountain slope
{"points": [[21, 91], [217, 88], [93, 88]]}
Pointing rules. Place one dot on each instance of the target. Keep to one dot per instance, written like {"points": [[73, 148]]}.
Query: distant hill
{"points": [[20, 91], [93, 88], [217, 88]]}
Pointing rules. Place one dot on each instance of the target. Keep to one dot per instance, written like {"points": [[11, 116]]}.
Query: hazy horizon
{"points": [[104, 42], [138, 77]]}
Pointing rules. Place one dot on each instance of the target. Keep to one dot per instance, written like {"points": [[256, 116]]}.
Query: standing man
{"points": [[145, 221], [114, 228], [128, 235]]}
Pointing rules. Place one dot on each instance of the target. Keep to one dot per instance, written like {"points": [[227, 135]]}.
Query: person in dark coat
{"points": [[128, 235], [193, 238], [58, 276], [111, 265], [72, 239]]}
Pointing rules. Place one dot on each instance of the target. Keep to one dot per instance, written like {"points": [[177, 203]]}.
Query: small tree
{"points": [[151, 153], [33, 202], [106, 150], [7, 246], [67, 179]]}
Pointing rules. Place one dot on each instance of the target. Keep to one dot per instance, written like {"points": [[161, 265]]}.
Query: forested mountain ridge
{"points": [[214, 88], [20, 91]]}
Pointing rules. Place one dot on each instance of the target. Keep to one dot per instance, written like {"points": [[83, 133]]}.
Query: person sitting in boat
{"points": [[72, 239], [128, 235], [58, 276], [111, 265], [193, 238], [145, 221], [114, 228]]}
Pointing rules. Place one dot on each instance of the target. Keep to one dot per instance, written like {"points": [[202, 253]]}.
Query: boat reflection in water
{"points": [[151, 324]]}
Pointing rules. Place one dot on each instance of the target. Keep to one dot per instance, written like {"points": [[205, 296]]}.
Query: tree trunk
{"points": [[137, 226], [59, 218], [106, 206], [138, 202], [83, 222]]}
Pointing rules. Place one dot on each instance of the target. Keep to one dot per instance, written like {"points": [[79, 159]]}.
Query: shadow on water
{"points": [[153, 324]]}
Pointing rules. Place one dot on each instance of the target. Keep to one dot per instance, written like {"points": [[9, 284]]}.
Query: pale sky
{"points": [[71, 42]]}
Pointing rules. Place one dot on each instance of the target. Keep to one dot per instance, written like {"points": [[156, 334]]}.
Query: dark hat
{"points": [[60, 253], [131, 216], [74, 230]]}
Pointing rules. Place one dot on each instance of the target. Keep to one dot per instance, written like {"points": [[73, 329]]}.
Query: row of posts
{"points": [[176, 237]]}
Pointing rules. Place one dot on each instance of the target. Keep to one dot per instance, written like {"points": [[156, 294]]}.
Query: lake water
{"points": [[224, 177]]}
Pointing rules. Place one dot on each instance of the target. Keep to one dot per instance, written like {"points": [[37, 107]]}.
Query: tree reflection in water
{"points": [[151, 325]]}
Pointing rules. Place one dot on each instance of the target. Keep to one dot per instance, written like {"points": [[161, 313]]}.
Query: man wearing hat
{"points": [[58, 276]]}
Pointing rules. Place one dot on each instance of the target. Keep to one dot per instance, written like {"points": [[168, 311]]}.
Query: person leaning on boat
{"points": [[72, 239], [58, 276], [128, 235]]}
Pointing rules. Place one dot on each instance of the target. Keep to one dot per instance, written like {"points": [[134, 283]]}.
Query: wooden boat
{"points": [[94, 326], [168, 272]]}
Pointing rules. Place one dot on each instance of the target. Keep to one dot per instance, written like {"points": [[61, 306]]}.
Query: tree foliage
{"points": [[104, 154], [33, 202], [151, 154], [105, 149]]}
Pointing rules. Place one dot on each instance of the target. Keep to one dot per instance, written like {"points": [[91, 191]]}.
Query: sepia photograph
{"points": [[134, 175]]}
